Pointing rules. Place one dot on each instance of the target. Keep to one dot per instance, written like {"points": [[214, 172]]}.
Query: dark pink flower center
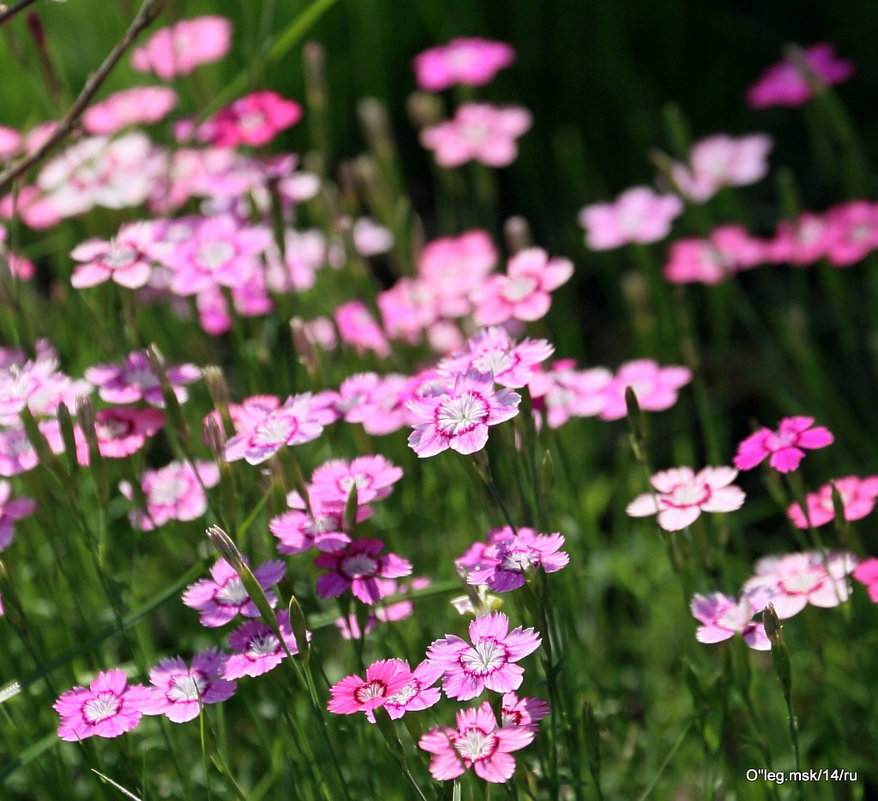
{"points": [[370, 691]]}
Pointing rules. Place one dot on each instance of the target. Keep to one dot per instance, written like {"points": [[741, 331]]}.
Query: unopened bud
{"points": [[518, 234], [303, 345], [423, 109]]}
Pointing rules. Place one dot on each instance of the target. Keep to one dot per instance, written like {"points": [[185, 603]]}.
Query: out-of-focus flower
{"points": [[139, 105], [180, 48], [637, 215], [655, 387], [729, 249], [471, 62], [11, 510], [857, 495], [722, 617], [253, 120], [784, 447], [791, 84]]}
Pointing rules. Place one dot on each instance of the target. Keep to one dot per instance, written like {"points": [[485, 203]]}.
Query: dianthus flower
{"points": [[478, 132], [126, 259], [729, 249], [680, 496], [383, 679], [373, 476], [459, 418], [454, 266], [17, 454], [179, 691], [361, 567], [503, 560], [471, 62], [11, 510], [655, 387], [407, 309], [637, 215], [299, 530], [135, 106], [784, 447], [525, 712], [357, 327], [867, 573], [852, 232], [791, 581], [180, 48], [477, 743], [257, 649], [134, 380], [788, 84], [563, 392], [418, 694], [121, 431], [108, 708], [486, 664], [858, 497], [292, 424], [10, 143], [39, 385], [722, 617], [253, 120], [173, 492], [800, 242], [223, 597]]}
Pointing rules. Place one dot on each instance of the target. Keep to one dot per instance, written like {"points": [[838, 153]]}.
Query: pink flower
{"points": [[564, 392], [361, 567], [292, 424], [258, 649], [180, 48], [719, 161], [503, 561], [680, 496], [121, 431], [867, 573], [299, 531], [179, 692], [39, 385], [383, 680], [417, 694], [174, 492], [357, 327], [526, 712], [486, 664], [723, 617], [523, 293], [108, 708], [11, 510], [126, 259], [728, 250], [852, 232], [223, 597], [477, 743], [801, 242], [784, 447], [407, 309], [478, 132], [253, 120], [471, 62], [459, 418], [637, 215], [373, 476], [135, 106], [135, 380], [787, 84], [656, 387], [791, 581], [857, 498], [10, 143], [454, 266]]}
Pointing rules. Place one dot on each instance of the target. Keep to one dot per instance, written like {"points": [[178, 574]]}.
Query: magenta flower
{"points": [[357, 327], [11, 510], [867, 574], [722, 617], [523, 293], [787, 84], [122, 431], [801, 242], [383, 679], [471, 62], [108, 708], [857, 498], [852, 232], [637, 215], [373, 476], [418, 694], [173, 492], [486, 664], [459, 418], [784, 446], [455, 266], [656, 387], [126, 259], [253, 120], [178, 691], [135, 380], [503, 561], [361, 567], [791, 581], [477, 743], [292, 424], [728, 250], [478, 132], [680, 496], [180, 48], [300, 530], [135, 106], [526, 712], [222, 597], [257, 649]]}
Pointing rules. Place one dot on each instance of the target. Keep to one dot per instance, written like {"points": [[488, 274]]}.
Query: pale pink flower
{"points": [[454, 266], [858, 496], [299, 530], [728, 250], [11, 510], [125, 259], [108, 708], [383, 679], [10, 143], [526, 712], [174, 492], [362, 568], [17, 454], [655, 387], [523, 293], [564, 392], [32, 207], [378, 402], [459, 418], [852, 232], [257, 649], [180, 48], [357, 327], [253, 120], [138, 105], [478, 132], [791, 581], [223, 597], [784, 446], [637, 215], [121, 431], [719, 161], [867, 574], [407, 309], [680, 495], [373, 476], [489, 663], [418, 694], [179, 691], [370, 237], [477, 743], [39, 386], [722, 617], [785, 83], [471, 62], [800, 242], [134, 380]]}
